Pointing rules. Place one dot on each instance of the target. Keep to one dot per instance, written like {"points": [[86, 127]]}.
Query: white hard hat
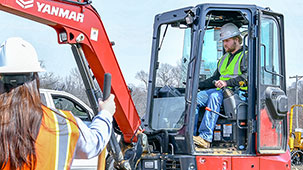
{"points": [[229, 30], [18, 56]]}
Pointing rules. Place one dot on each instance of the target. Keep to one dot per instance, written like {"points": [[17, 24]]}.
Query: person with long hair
{"points": [[33, 136]]}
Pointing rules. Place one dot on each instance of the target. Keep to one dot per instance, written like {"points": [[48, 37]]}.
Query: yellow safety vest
{"points": [[56, 141], [233, 70]]}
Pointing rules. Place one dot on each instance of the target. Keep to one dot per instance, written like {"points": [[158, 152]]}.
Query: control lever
{"points": [[208, 109], [106, 93], [226, 91], [232, 103], [113, 145]]}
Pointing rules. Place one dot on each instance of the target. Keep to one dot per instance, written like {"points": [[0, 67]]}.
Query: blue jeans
{"points": [[213, 99]]}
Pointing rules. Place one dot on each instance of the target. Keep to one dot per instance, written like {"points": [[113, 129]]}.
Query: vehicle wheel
{"points": [[297, 157]]}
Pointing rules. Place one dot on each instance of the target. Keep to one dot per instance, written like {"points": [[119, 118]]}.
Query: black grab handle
{"points": [[107, 85]]}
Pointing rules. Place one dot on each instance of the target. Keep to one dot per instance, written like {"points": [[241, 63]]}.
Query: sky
{"points": [[130, 25]]}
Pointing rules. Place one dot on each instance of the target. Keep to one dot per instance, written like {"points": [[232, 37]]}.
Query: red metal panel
{"points": [[82, 19], [270, 136], [279, 162], [213, 162], [269, 162], [245, 163]]}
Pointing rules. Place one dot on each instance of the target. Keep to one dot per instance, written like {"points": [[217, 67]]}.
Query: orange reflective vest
{"points": [[56, 141]]}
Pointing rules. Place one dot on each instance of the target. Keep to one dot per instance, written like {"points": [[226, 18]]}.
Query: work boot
{"points": [[201, 142]]}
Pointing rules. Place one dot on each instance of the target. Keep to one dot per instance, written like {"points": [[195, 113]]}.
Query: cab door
{"points": [[271, 85]]}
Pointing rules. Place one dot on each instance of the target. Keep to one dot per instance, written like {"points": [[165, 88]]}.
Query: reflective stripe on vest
{"points": [[233, 69], [56, 141], [64, 136]]}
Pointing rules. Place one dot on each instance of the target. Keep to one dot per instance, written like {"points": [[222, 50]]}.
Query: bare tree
{"points": [[49, 80], [142, 76], [179, 74], [291, 93], [139, 96], [165, 75], [300, 91], [74, 85]]}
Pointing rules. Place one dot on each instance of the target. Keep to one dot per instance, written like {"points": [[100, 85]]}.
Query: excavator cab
{"points": [[186, 50]]}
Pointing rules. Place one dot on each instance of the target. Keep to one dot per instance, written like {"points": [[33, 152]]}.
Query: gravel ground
{"points": [[297, 167]]}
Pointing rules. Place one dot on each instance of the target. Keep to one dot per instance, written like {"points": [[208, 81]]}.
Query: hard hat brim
{"points": [[18, 56], [8, 69], [230, 36]]}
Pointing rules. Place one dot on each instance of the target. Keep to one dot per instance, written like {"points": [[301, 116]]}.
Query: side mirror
{"points": [[277, 102]]}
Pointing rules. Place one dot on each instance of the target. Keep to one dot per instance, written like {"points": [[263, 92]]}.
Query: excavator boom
{"points": [[78, 23]]}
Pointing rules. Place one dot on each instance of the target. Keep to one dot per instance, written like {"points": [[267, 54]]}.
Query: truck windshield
{"points": [[173, 57]]}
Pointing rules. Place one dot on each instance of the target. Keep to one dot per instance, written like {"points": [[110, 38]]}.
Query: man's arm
{"points": [[208, 83]]}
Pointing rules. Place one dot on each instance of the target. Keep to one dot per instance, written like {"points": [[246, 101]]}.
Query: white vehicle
{"points": [[65, 101]]}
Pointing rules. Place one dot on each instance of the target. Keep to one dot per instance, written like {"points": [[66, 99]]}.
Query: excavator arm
{"points": [[77, 23]]}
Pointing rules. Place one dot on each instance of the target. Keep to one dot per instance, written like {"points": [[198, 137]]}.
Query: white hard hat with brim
{"points": [[229, 30], [18, 56]]}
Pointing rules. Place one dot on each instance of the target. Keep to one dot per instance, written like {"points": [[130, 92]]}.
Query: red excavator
{"points": [[248, 135]]}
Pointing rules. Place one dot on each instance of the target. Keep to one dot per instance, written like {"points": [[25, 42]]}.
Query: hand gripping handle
{"points": [[106, 93]]}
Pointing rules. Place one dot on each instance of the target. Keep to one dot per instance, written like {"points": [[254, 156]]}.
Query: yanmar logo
{"points": [[60, 12], [52, 10], [25, 4]]}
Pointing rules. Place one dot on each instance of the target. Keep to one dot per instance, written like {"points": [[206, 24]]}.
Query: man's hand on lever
{"points": [[220, 84]]}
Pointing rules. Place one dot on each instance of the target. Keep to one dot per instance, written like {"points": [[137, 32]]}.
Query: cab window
{"points": [[270, 62]]}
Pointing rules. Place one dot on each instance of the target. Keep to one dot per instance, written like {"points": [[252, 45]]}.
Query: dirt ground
{"points": [[297, 167]]}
